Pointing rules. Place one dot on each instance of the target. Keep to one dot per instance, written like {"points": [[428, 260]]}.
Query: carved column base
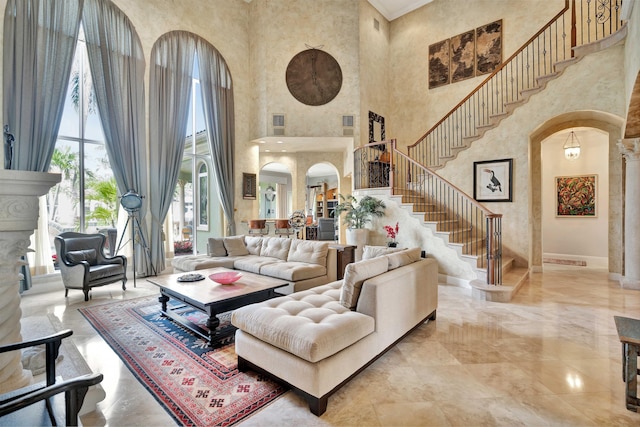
{"points": [[629, 283], [19, 192], [13, 245]]}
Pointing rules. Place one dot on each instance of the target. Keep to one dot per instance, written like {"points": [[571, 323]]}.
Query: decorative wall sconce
{"points": [[572, 147]]}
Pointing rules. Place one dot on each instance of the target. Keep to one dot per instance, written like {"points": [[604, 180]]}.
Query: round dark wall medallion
{"points": [[314, 77]]}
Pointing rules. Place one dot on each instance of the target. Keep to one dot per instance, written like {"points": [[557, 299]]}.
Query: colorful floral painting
{"points": [[576, 195]]}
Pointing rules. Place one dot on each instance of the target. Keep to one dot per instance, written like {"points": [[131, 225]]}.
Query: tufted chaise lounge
{"points": [[314, 342]]}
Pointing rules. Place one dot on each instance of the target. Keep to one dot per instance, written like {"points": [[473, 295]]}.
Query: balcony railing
{"points": [[457, 217]]}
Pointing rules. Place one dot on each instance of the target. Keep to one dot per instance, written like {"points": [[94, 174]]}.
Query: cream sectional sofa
{"points": [[302, 263], [317, 340]]}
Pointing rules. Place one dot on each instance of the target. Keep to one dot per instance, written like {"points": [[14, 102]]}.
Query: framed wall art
{"points": [[488, 47], [576, 196], [493, 180], [439, 64], [249, 186], [462, 56], [376, 127]]}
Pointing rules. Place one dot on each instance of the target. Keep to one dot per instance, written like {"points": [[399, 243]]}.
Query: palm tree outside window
{"points": [[86, 198]]}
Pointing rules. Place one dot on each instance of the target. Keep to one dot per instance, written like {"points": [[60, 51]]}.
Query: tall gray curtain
{"points": [[217, 97], [172, 59], [40, 38], [117, 66]]}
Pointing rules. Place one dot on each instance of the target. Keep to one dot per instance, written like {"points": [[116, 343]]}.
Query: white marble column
{"points": [[630, 149], [19, 192]]}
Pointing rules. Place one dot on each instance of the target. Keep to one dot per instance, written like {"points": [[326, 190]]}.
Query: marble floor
{"points": [[549, 357]]}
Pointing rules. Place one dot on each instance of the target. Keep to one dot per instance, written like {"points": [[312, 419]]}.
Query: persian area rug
{"points": [[196, 384]]}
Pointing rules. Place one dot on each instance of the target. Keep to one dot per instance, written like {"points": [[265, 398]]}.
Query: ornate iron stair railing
{"points": [[464, 221], [523, 73]]}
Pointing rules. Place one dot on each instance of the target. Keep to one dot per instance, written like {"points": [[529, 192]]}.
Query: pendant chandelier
{"points": [[572, 147]]}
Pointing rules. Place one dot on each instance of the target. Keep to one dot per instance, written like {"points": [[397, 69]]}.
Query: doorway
{"points": [[611, 125], [575, 199], [275, 191], [321, 191]]}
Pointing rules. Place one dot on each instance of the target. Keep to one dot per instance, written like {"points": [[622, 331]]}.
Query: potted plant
{"points": [[357, 215]]}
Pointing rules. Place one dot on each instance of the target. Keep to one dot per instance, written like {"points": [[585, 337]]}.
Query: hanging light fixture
{"points": [[572, 147]]}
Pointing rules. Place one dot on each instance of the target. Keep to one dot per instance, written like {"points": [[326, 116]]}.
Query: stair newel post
{"points": [[494, 255], [392, 150], [574, 37]]}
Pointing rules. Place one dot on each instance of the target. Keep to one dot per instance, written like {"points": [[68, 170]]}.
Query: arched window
{"points": [[203, 197], [190, 89]]}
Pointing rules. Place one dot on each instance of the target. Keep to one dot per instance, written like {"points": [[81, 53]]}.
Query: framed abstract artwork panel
{"points": [[439, 64], [576, 196], [493, 180], [462, 56], [488, 47]]}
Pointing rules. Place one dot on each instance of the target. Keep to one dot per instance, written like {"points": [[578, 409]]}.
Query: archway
{"points": [[275, 191], [575, 199], [322, 184], [608, 123]]}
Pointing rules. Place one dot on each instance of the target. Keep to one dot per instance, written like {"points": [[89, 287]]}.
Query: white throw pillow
{"points": [[275, 247], [355, 274], [376, 251], [215, 247], [308, 251], [402, 258], [254, 244], [235, 246]]}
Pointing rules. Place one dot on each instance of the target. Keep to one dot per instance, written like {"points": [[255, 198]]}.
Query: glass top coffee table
{"points": [[212, 298]]}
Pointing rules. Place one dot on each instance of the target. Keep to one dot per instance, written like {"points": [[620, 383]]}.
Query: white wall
{"points": [[576, 237]]}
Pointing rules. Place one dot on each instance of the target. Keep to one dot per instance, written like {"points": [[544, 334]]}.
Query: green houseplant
{"points": [[357, 215]]}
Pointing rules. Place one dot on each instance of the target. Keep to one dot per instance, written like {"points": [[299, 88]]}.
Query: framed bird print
{"points": [[493, 180]]}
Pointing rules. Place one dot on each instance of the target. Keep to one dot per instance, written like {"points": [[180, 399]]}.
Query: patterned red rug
{"points": [[195, 384]]}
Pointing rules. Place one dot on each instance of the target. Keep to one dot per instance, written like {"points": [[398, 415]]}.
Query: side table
{"points": [[629, 334], [346, 255], [311, 233]]}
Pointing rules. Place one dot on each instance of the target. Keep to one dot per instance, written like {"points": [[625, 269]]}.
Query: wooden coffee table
{"points": [[212, 298]]}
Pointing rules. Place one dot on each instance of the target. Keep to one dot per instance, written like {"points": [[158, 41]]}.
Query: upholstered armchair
{"points": [[326, 229], [84, 265]]}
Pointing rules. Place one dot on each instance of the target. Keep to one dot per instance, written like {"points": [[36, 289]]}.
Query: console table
{"points": [[346, 255], [629, 334]]}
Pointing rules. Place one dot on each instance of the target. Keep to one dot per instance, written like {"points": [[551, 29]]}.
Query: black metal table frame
{"points": [[212, 335]]}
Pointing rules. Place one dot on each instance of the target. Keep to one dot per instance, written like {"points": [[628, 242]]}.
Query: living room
{"points": [[257, 53]]}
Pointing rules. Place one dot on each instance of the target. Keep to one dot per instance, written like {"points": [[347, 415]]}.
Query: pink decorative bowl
{"points": [[225, 278]]}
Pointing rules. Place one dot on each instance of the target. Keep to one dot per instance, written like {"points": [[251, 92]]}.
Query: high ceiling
{"points": [[392, 9]]}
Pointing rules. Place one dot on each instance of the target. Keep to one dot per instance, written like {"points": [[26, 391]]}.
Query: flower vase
{"points": [[392, 244]]}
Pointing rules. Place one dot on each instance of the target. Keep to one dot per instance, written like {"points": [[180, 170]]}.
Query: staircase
{"points": [[465, 225]]}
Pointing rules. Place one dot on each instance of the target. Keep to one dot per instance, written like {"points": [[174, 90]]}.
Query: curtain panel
{"points": [[117, 65], [217, 98], [170, 82], [40, 38]]}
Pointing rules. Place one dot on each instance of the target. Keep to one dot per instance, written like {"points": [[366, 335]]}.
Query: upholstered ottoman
{"points": [[310, 324]]}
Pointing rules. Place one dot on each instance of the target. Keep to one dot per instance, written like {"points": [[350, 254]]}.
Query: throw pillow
{"points": [[235, 246], [215, 247], [309, 251], [253, 243], [275, 247], [376, 251], [89, 255], [355, 274], [402, 258]]}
